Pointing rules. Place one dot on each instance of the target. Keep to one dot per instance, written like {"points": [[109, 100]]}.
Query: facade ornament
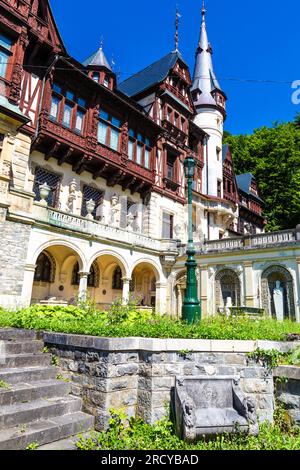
{"points": [[211, 271], [90, 206], [115, 211], [72, 196], [44, 193]]}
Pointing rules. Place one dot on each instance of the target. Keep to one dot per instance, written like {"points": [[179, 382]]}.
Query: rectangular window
{"points": [[139, 151], [114, 139], [5, 42], [53, 181], [67, 117], [147, 158], [79, 121], [167, 226], [4, 58], [54, 108], [171, 167], [219, 189], [130, 150], [102, 132]]}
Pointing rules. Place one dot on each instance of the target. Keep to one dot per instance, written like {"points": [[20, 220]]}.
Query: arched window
{"points": [[44, 271], [227, 286], [117, 282], [270, 277], [93, 277]]}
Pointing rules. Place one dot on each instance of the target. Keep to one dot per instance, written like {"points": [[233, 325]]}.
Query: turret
{"points": [[99, 69]]}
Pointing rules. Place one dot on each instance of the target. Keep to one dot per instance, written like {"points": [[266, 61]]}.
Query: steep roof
{"points": [[244, 184], [204, 79], [151, 75], [98, 59]]}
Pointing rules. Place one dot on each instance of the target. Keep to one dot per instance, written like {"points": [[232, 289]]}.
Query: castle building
{"points": [[93, 196]]}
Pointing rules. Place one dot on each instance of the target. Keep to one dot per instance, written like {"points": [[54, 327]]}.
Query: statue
{"points": [[115, 211], [130, 222], [72, 196], [278, 301], [228, 306]]}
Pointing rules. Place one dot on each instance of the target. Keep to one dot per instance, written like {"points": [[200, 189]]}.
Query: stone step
{"points": [[21, 347], [22, 413], [46, 431], [25, 392], [14, 334], [65, 444], [24, 360], [30, 374]]}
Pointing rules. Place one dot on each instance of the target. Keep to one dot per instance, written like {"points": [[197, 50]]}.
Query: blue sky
{"points": [[251, 39]]}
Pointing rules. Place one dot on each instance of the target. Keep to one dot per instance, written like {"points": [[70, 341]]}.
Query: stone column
{"points": [[203, 289], [126, 290], [27, 285], [83, 285], [249, 287], [161, 298]]}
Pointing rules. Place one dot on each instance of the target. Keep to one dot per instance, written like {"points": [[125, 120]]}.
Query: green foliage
{"points": [[4, 385], [137, 435], [267, 358], [295, 357], [54, 360], [132, 322], [272, 155], [32, 446]]}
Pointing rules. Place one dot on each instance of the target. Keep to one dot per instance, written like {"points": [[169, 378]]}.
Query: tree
{"points": [[272, 155]]}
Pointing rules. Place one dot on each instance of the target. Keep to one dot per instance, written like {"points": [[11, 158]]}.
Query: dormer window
{"points": [[106, 81], [96, 77]]}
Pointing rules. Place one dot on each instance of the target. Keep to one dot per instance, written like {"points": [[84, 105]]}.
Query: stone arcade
{"points": [[92, 184]]}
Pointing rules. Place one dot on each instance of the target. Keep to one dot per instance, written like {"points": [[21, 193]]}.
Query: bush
{"points": [[125, 321], [138, 435]]}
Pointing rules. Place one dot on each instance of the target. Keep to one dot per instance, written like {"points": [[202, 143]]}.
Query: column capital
{"points": [[83, 274], [248, 264], [126, 279]]}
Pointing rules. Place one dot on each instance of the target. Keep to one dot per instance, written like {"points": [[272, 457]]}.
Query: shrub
{"points": [[125, 321], [138, 435]]}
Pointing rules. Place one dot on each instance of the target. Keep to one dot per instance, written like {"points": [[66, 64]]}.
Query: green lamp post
{"points": [[191, 310]]}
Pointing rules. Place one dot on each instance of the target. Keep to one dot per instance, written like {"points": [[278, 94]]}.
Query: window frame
{"points": [[140, 141], [110, 126], [55, 192], [8, 52], [75, 103], [170, 225]]}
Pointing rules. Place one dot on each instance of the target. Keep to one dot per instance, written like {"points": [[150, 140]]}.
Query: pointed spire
{"points": [[178, 15], [204, 80], [98, 59]]}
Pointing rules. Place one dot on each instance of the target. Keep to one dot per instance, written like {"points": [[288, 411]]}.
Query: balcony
{"points": [[100, 231], [174, 131], [84, 153], [265, 240]]}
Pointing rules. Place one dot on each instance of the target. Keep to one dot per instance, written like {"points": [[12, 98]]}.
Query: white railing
{"points": [[99, 230], [244, 243], [288, 236]]}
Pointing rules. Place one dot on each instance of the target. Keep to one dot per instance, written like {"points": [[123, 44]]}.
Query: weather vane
{"points": [[178, 15]]}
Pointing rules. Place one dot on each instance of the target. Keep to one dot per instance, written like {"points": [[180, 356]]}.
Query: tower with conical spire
{"points": [[99, 68], [209, 100]]}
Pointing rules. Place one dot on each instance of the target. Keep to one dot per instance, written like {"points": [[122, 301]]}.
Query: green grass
{"points": [[128, 321], [161, 436]]}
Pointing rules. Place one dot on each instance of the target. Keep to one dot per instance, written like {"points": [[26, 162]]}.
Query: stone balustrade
{"points": [[99, 230], [264, 240]]}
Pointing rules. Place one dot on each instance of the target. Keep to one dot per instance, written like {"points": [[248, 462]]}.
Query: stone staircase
{"points": [[35, 407]]}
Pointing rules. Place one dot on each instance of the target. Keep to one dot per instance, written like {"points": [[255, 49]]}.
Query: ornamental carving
{"points": [[15, 87]]}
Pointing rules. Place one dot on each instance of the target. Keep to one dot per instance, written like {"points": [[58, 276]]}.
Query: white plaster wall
{"points": [[211, 121]]}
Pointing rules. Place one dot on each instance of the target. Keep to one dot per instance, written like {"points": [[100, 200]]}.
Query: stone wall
{"points": [[13, 253], [139, 374], [287, 390]]}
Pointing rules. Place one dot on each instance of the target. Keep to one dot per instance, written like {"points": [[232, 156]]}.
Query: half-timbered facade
{"points": [[91, 170]]}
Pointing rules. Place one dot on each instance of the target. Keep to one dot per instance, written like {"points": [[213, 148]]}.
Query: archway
{"points": [[109, 287], [52, 281], [227, 289], [280, 277], [143, 285]]}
